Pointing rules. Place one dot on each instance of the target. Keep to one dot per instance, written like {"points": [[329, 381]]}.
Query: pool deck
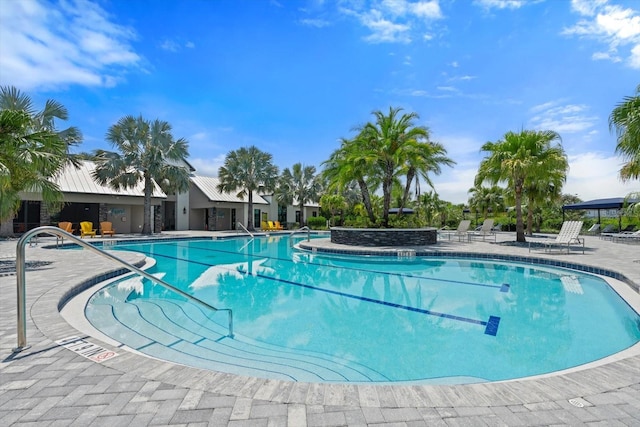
{"points": [[48, 384]]}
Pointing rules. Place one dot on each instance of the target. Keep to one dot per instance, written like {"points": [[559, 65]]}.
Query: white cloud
{"points": [[74, 42], [595, 176], [614, 26], [209, 166], [502, 4], [317, 23], [394, 21], [562, 118]]}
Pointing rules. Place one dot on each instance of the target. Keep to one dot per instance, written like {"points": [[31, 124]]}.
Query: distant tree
{"points": [[519, 159], [333, 203], [485, 199], [300, 185], [247, 170], [625, 119], [32, 151], [146, 152]]}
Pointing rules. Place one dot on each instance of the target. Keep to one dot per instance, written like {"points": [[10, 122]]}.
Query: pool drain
{"points": [[577, 402]]}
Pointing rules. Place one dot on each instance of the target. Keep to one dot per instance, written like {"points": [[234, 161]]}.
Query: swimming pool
{"points": [[308, 317]]}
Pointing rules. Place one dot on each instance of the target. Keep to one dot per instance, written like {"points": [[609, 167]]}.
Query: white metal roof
{"points": [[80, 180], [209, 186]]}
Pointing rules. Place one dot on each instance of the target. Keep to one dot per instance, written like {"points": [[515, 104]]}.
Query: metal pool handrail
{"points": [[55, 231], [245, 229], [300, 230]]}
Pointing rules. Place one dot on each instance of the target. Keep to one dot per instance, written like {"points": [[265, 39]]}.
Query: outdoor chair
{"points": [[595, 228], [607, 231], [484, 231], [278, 225], [86, 229], [66, 226], [626, 237], [462, 230], [568, 236], [106, 229], [264, 226]]}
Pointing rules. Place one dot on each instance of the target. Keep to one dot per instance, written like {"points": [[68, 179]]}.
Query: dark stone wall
{"points": [[384, 237]]}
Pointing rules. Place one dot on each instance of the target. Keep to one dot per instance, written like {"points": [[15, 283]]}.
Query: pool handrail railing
{"points": [[59, 233], [300, 230], [245, 229]]}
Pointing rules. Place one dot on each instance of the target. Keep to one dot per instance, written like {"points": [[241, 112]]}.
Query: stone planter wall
{"points": [[374, 237]]}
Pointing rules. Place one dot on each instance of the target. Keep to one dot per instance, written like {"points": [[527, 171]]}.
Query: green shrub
{"points": [[317, 222]]}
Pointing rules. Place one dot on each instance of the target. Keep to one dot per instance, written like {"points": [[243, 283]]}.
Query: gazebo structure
{"points": [[599, 204]]}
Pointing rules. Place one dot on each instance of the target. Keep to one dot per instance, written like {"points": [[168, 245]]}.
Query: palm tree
{"points": [[420, 159], [147, 153], [349, 164], [247, 170], [398, 147], [32, 151], [485, 199], [519, 159], [625, 118], [299, 184]]}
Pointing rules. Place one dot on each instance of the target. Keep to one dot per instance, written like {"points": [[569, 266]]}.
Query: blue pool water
{"points": [[308, 317]]}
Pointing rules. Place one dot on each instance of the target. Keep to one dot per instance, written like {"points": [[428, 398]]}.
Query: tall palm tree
{"points": [[398, 147], [32, 151], [625, 118], [247, 170], [519, 159], [420, 159], [298, 185], [146, 152], [348, 164]]}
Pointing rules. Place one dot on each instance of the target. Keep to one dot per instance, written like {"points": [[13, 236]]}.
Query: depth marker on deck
{"points": [[87, 349]]}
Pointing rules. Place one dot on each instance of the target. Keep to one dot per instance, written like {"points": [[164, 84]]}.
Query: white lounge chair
{"points": [[595, 229], [462, 229], [484, 231], [568, 236]]}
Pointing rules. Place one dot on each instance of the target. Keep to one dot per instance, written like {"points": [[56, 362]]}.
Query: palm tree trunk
{"points": [[519, 223], [148, 188], [530, 217], [366, 199], [407, 188], [250, 213]]}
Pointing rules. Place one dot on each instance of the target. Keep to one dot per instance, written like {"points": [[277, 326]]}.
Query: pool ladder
{"points": [[59, 233]]}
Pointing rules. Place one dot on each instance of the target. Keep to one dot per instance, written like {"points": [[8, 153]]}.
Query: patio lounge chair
{"points": [[607, 231], [595, 229], [264, 226], [66, 226], [86, 229], [484, 231], [626, 237], [462, 229], [278, 225], [106, 228], [568, 235]]}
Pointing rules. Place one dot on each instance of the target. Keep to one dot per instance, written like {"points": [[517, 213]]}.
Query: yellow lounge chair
{"points": [[278, 226], [86, 229], [272, 226], [264, 226], [66, 226], [106, 228]]}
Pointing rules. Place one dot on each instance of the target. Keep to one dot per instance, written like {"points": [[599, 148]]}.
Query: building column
{"points": [[45, 216], [103, 212]]}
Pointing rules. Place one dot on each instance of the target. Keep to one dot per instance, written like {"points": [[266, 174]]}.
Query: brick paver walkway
{"points": [[50, 385]]}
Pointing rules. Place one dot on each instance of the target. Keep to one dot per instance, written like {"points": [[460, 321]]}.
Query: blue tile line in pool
{"points": [[491, 326]]}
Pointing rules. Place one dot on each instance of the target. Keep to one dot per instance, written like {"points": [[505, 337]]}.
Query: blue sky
{"points": [[293, 77]]}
